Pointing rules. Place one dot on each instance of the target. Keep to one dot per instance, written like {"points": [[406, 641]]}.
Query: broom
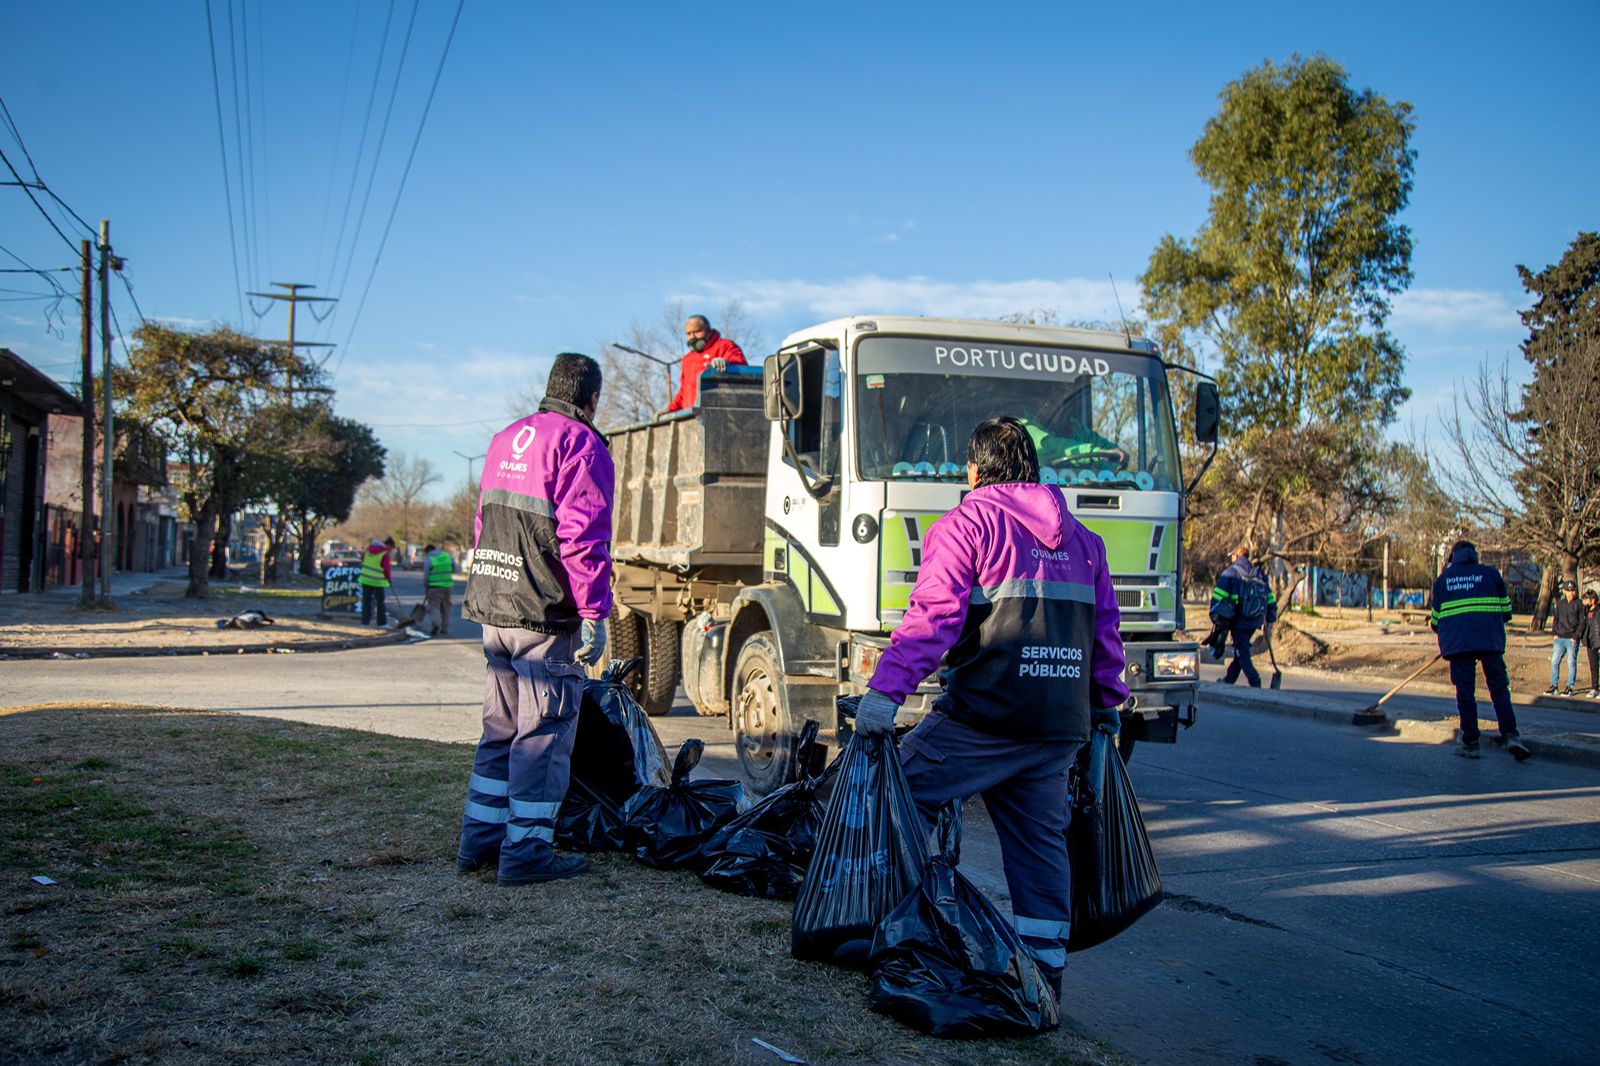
{"points": [[1371, 715]]}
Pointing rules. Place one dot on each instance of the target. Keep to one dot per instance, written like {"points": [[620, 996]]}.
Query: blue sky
{"points": [[584, 164]]}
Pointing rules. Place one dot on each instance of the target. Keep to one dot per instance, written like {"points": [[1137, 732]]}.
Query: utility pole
{"points": [[1386, 573], [86, 540], [293, 298], [107, 436]]}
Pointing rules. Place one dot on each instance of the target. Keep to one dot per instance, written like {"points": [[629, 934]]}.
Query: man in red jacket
{"points": [[707, 348]]}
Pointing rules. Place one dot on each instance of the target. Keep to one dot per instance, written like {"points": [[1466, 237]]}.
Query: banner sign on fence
{"points": [[341, 589]]}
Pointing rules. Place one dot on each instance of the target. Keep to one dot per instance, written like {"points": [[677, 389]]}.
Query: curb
{"points": [[1436, 688], [334, 644], [1554, 747]]}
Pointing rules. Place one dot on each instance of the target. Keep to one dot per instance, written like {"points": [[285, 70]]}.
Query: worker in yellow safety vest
{"points": [[441, 579], [375, 579]]}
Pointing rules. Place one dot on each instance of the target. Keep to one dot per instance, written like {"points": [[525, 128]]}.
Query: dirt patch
{"points": [[160, 617], [246, 889], [1295, 647]]}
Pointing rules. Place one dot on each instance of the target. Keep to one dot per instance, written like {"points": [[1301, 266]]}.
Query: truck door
{"points": [[805, 525]]}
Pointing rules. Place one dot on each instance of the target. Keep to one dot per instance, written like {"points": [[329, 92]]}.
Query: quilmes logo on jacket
{"points": [[519, 446]]}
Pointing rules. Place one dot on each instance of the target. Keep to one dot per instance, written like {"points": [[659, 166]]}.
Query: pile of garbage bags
{"points": [[765, 851], [869, 889]]}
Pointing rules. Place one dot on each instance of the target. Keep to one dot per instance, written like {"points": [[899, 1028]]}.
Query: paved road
{"points": [[1336, 896]]}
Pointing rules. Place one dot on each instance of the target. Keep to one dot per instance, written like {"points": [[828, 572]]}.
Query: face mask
{"points": [[698, 344]]}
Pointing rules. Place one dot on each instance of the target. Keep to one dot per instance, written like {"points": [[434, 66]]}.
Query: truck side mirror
{"points": [[781, 398], [1207, 412]]}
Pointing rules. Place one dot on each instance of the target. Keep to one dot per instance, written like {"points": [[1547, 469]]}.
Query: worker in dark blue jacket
{"points": [[1240, 604], [1470, 612]]}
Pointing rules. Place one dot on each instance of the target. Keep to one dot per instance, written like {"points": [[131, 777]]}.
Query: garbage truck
{"points": [[766, 543]]}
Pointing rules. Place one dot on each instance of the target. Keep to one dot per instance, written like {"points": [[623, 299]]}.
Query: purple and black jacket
{"points": [[541, 556], [1017, 592]]}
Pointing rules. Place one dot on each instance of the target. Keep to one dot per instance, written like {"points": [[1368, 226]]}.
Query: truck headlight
{"points": [[1172, 665]]}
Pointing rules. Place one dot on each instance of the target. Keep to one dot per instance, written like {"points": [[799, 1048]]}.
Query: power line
{"points": [[246, 207], [27, 189], [406, 173], [338, 136], [361, 146], [126, 284], [222, 143], [383, 135]]}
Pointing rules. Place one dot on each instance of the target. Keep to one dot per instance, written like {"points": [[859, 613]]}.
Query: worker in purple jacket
{"points": [[1014, 594], [540, 584]]}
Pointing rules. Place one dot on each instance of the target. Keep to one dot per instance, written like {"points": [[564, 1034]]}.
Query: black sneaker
{"points": [[1516, 747], [1566, 692], [1467, 751], [1551, 691], [558, 868]]}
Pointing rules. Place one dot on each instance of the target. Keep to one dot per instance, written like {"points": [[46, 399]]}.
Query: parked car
{"points": [[343, 557]]}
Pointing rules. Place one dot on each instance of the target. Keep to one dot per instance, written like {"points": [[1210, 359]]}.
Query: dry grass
{"points": [[239, 889]]}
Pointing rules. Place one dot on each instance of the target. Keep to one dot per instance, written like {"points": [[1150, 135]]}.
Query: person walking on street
{"points": [[540, 584], [1241, 603], [707, 349], [1470, 612], [1015, 596], [1591, 639], [440, 570], [1567, 628], [376, 577]]}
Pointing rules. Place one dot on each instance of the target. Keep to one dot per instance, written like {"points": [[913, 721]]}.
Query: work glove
{"points": [[875, 714], [719, 364], [1107, 720], [594, 642]]}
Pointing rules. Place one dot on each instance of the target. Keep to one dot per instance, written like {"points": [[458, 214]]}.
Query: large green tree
{"points": [[210, 397], [322, 491], [1285, 292], [1287, 283]]}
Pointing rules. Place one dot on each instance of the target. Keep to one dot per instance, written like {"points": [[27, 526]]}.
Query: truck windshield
{"points": [[1095, 417]]}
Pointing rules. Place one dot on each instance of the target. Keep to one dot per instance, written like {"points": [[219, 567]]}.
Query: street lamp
{"points": [[469, 459], [665, 364]]}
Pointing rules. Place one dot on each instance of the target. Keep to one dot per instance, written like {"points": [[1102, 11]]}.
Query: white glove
{"points": [[875, 714], [719, 364], [594, 642]]}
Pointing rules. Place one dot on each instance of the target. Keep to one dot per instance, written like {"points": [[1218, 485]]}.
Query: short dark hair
{"points": [[431, 547], [1463, 545], [1003, 451], [389, 541], [574, 379], [705, 323]]}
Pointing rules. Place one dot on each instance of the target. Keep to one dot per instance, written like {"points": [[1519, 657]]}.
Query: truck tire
{"points": [[763, 730], [661, 666], [624, 641]]}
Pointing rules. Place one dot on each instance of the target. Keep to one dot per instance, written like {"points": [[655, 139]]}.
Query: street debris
{"points": [[667, 826], [246, 620], [41, 879], [783, 1056]]}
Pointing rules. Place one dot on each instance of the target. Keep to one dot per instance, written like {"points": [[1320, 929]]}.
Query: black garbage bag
{"points": [[947, 962], [1114, 877], [869, 856], [615, 753], [666, 826], [765, 851], [588, 821]]}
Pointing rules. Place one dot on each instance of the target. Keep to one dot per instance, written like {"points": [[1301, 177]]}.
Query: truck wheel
{"points": [[661, 667], [764, 734], [624, 641]]}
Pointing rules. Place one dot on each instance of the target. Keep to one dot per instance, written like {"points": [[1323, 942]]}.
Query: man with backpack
{"points": [[1240, 604]]}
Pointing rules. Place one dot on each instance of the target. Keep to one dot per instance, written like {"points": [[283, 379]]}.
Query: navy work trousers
{"points": [[1464, 676], [374, 596], [519, 776], [1241, 657], [1024, 788]]}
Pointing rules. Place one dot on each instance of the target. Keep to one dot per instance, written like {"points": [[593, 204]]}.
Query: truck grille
{"points": [[1130, 598]]}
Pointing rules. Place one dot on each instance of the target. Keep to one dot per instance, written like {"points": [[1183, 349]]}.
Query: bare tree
{"points": [[1531, 483], [400, 493]]}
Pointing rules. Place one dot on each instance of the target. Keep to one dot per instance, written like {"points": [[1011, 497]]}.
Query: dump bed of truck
{"points": [[674, 472]]}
